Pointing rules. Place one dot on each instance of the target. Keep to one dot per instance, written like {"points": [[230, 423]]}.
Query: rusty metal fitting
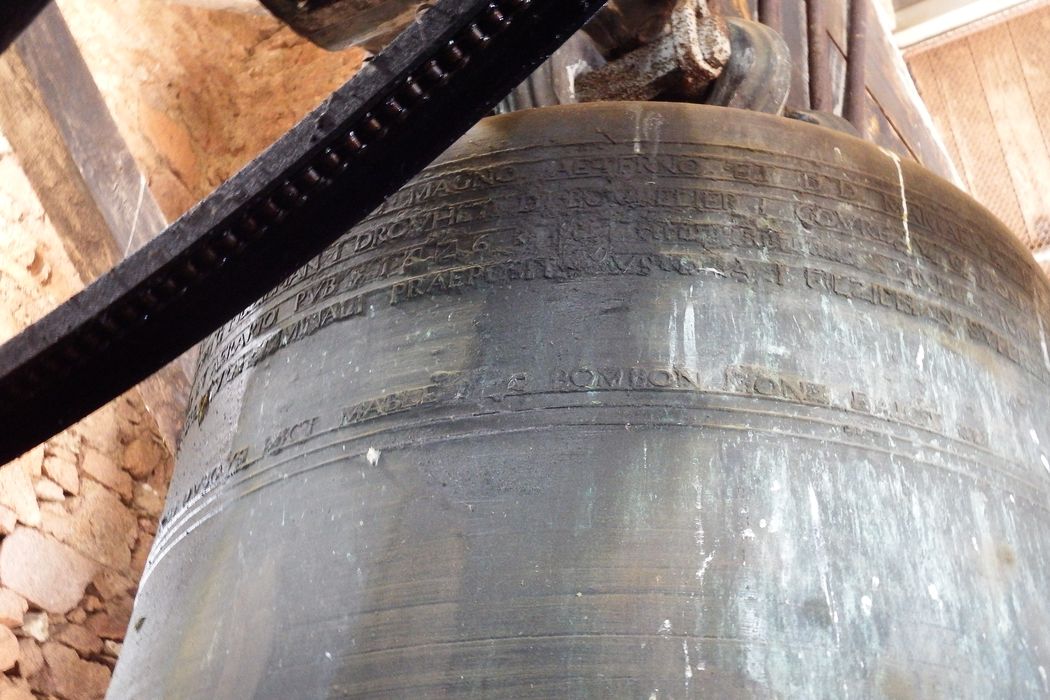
{"points": [[758, 75], [681, 61]]}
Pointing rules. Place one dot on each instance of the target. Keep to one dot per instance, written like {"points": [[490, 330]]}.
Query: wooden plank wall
{"points": [[897, 118], [989, 93]]}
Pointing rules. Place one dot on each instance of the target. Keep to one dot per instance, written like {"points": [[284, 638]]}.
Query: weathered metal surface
{"points": [[758, 73], [623, 400], [825, 119], [445, 71], [682, 60]]}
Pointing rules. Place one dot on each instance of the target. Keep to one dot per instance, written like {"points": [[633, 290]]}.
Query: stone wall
{"points": [[77, 514]]}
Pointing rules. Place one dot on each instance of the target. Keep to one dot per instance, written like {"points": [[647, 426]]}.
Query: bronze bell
{"points": [[631, 400]]}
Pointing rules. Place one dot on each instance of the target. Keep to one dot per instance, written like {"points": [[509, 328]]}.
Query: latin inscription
{"points": [[472, 390], [903, 412], [390, 404], [217, 476], [212, 377], [730, 219], [602, 198], [718, 215], [302, 430], [624, 379], [759, 381]]}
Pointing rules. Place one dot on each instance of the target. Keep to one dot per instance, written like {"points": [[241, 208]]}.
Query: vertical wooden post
{"points": [[819, 63], [770, 13], [856, 57]]}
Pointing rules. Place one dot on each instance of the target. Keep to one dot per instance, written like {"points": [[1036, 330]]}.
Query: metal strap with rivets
{"points": [[408, 104]]}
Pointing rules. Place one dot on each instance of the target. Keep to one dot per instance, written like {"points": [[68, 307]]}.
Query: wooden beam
{"points": [[252, 7], [56, 121]]}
